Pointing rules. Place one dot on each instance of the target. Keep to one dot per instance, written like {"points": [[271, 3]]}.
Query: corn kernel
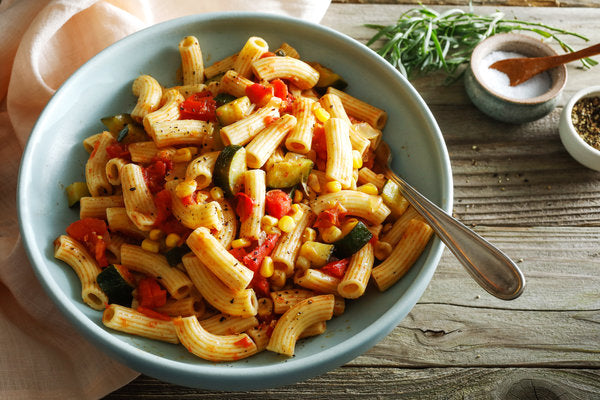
{"points": [[331, 234], [382, 250], [182, 155], [368, 188], [151, 245], [286, 224], [309, 235], [298, 196], [268, 220], [155, 234], [302, 263], [333, 186], [216, 193], [185, 188], [267, 268], [321, 114], [357, 161], [172, 240], [241, 242]]}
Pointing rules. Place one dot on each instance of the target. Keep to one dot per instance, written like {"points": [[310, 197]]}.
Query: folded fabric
{"points": [[43, 42]]}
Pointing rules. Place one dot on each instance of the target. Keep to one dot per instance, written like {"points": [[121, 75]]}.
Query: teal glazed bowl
{"points": [[103, 87], [498, 105]]}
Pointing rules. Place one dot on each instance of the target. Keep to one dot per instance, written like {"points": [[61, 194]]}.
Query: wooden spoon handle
{"points": [[553, 61]]}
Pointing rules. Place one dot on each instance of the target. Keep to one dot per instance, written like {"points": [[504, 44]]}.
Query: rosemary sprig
{"points": [[423, 40]]}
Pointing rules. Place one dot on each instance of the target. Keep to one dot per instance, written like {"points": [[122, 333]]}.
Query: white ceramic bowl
{"points": [[575, 145], [54, 157]]}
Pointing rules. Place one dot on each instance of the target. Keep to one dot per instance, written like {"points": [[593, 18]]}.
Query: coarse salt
{"points": [[499, 82]]}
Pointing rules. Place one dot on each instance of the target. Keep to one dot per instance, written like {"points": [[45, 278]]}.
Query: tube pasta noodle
{"points": [[210, 346], [243, 229], [374, 116], [149, 94], [127, 320], [70, 251], [242, 303], [409, 248], [95, 168], [295, 320], [192, 65]]}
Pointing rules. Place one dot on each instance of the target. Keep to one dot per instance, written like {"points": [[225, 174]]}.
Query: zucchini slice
{"points": [[115, 123], [115, 283], [233, 111], [287, 174], [229, 169], [390, 193], [75, 191], [327, 78], [125, 129], [353, 241], [175, 254]]}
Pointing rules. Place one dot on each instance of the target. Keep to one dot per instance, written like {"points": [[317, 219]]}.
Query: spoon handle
{"points": [[489, 266], [553, 61]]}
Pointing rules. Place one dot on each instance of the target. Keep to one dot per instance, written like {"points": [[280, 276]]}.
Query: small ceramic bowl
{"points": [[575, 145], [499, 106]]}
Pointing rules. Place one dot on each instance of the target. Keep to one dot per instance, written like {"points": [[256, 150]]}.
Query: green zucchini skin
{"points": [[352, 242], [229, 168], [175, 254], [115, 286], [288, 174]]}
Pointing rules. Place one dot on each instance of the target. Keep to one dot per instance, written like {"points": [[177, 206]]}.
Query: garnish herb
{"points": [[424, 41]]}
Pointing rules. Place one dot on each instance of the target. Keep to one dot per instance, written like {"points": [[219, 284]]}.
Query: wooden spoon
{"points": [[521, 69]]}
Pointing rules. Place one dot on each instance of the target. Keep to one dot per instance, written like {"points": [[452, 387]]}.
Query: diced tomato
{"points": [[162, 201], [280, 89], [200, 106], [337, 269], [267, 54], [259, 94], [245, 342], [244, 205], [155, 173], [318, 142], [118, 150], [172, 225], [330, 216], [93, 234], [277, 203], [150, 294], [148, 312], [238, 253], [254, 259], [261, 286]]}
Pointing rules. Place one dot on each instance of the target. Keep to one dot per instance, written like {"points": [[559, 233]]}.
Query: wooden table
{"points": [[518, 187]]}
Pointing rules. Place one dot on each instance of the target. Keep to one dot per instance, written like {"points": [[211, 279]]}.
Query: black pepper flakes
{"points": [[586, 120]]}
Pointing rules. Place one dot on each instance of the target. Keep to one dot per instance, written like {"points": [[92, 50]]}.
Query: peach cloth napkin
{"points": [[42, 43]]}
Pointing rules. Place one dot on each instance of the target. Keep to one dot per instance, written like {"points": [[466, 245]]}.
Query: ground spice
{"points": [[586, 120]]}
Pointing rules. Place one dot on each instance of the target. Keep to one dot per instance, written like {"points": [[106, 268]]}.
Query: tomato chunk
{"points": [[277, 203], [244, 205], [118, 150], [93, 234], [155, 173], [200, 106], [148, 312], [150, 293], [259, 94], [337, 269], [254, 259], [261, 286]]}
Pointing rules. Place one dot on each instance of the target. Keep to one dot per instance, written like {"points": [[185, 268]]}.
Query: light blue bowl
{"points": [[54, 157]]}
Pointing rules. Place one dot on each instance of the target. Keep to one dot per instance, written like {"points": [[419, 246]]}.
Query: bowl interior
{"points": [[522, 44], [54, 158]]}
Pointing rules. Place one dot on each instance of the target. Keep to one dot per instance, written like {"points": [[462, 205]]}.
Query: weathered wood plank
{"points": [[407, 384]]}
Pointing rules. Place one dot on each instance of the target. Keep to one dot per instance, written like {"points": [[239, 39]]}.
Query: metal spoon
{"points": [[489, 266], [520, 70]]}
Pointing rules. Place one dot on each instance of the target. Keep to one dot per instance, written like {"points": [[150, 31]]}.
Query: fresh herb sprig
{"points": [[423, 40]]}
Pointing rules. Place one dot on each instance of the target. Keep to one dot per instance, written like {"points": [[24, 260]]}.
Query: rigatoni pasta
{"points": [[238, 215]]}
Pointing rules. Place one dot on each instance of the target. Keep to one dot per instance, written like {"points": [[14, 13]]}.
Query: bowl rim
{"points": [[591, 91], [205, 375], [490, 44]]}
